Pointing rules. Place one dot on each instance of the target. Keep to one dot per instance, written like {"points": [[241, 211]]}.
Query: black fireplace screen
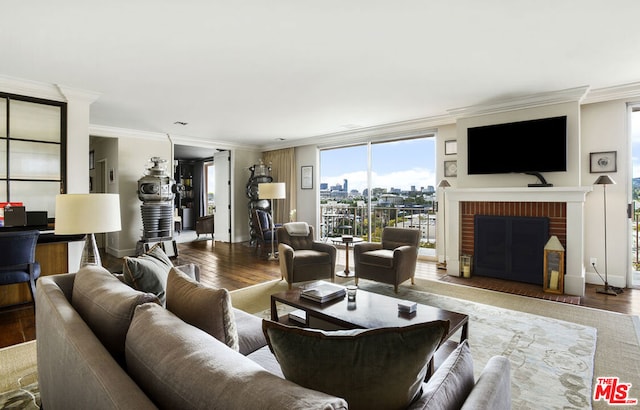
{"points": [[510, 247]]}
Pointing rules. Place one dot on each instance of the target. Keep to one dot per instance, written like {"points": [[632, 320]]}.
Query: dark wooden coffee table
{"points": [[371, 310]]}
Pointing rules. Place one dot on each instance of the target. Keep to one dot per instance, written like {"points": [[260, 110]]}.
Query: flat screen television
{"points": [[531, 146]]}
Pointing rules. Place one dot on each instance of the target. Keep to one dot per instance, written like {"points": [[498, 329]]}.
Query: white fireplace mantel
{"points": [[574, 197]]}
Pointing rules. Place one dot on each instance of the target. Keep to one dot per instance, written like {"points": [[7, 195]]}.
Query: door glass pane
{"points": [[34, 121], [3, 191], [36, 196], [403, 181], [3, 158], [34, 160], [343, 187], [3, 117]]}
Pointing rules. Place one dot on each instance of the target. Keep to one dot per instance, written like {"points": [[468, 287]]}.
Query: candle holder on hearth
{"points": [[465, 265]]}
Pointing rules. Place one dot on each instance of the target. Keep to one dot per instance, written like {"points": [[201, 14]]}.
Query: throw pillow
{"points": [[450, 385], [182, 367], [106, 305], [201, 306], [148, 272], [381, 368]]}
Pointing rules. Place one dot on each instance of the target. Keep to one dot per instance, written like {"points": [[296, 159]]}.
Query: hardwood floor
{"points": [[235, 266]]}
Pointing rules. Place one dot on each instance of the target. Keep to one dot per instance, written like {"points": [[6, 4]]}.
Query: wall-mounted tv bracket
{"points": [[543, 182]]}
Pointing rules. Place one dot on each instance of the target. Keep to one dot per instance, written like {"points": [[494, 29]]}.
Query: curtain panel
{"points": [[283, 169]]}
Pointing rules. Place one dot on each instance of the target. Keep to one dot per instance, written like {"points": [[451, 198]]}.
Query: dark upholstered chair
{"points": [[264, 225], [301, 257], [393, 261], [18, 259], [204, 225]]}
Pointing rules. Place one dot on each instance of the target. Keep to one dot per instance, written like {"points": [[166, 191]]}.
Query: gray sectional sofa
{"points": [[104, 345]]}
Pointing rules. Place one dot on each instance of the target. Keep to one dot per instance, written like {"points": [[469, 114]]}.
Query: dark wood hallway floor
{"points": [[235, 266]]}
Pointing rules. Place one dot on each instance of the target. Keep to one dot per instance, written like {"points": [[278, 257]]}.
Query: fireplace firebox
{"points": [[512, 248]]}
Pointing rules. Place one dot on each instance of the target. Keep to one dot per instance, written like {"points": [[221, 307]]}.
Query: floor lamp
{"points": [[87, 214], [604, 180], [444, 184], [271, 191]]}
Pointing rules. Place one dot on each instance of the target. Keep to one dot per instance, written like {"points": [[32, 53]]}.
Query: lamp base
{"points": [[609, 290], [606, 291], [90, 253], [273, 257]]}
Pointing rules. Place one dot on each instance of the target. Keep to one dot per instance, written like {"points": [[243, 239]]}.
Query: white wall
{"points": [[445, 133], [307, 207], [604, 128]]}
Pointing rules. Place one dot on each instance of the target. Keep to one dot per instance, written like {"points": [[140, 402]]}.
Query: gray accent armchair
{"points": [[301, 257], [393, 261]]}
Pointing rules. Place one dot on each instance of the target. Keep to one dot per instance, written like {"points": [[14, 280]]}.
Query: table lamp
{"points": [[271, 191], [87, 214]]}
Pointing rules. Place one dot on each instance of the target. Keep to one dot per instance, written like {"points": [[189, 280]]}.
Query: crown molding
{"points": [[395, 130], [115, 132], [30, 88], [73, 94], [576, 94], [617, 92]]}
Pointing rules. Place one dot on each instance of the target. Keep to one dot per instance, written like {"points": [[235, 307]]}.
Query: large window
{"points": [[32, 151], [366, 187]]}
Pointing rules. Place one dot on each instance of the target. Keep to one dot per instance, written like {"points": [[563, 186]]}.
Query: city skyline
{"points": [[398, 164]]}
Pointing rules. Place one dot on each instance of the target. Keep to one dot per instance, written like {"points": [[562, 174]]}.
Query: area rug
{"points": [[19, 377], [550, 345]]}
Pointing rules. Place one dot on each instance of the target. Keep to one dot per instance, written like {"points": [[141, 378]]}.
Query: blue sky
{"points": [[398, 164]]}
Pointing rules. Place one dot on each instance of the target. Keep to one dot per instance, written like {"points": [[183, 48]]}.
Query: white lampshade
{"points": [[87, 213], [272, 190]]}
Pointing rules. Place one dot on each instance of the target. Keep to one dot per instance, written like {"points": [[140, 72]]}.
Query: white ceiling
{"points": [[254, 71]]}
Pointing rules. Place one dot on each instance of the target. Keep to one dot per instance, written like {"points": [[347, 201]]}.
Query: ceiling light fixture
{"points": [[181, 123]]}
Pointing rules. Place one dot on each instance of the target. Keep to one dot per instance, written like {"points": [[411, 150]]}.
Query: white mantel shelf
{"points": [[574, 197], [534, 194]]}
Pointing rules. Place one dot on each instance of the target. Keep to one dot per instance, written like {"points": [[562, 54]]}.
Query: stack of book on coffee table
{"points": [[323, 292], [407, 307]]}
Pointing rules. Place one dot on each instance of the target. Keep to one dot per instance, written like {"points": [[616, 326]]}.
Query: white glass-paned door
{"points": [[34, 160], [36, 195], [3, 118], [34, 121]]}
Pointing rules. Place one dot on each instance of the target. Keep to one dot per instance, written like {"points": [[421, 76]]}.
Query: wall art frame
{"points": [[306, 177], [450, 147], [451, 168], [603, 162]]}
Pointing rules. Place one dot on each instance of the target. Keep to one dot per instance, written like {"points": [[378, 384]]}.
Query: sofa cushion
{"points": [[379, 257], [202, 306], [374, 368], [297, 228], [181, 367], [250, 334], [450, 385], [148, 272], [106, 305]]}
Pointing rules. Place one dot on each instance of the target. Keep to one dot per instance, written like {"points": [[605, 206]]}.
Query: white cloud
{"points": [[404, 179]]}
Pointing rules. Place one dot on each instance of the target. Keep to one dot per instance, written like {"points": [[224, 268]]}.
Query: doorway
{"points": [[634, 133]]}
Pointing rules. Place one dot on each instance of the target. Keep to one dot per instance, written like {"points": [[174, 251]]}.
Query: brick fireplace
{"points": [[555, 211], [564, 206]]}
